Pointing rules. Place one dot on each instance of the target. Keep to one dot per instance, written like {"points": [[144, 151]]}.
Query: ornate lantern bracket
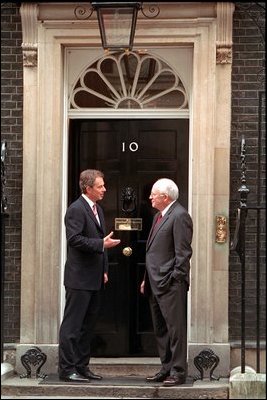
{"points": [[117, 21]]}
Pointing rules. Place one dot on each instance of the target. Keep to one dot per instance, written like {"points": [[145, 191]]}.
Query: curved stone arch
{"points": [[128, 80]]}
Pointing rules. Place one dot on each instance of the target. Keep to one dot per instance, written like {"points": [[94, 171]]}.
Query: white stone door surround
{"points": [[48, 28]]}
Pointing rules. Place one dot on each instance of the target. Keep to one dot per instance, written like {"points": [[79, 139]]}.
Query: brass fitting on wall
{"points": [[221, 229]]}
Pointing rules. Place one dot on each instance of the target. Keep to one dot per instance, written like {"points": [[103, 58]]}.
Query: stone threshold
{"points": [[115, 387]]}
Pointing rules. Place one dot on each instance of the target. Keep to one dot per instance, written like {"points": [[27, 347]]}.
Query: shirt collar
{"points": [[163, 212], [89, 201]]}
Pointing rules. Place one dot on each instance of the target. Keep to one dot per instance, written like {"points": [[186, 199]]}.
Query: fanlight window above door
{"points": [[128, 81]]}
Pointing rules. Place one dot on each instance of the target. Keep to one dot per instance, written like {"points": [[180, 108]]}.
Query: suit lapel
{"points": [[101, 217], [153, 232], [91, 215]]}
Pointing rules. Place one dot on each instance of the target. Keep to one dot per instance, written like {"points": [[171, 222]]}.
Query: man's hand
{"points": [[108, 242], [105, 277], [142, 287]]}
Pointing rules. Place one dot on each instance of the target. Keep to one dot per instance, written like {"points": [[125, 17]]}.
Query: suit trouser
{"points": [[77, 327], [169, 316]]}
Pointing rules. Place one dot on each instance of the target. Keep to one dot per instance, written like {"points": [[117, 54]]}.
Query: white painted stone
{"points": [[6, 371], [247, 385]]}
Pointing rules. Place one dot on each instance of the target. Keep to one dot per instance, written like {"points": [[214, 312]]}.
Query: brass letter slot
{"points": [[128, 224]]}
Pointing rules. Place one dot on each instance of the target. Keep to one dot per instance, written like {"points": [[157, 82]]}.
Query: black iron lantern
{"points": [[117, 22]]}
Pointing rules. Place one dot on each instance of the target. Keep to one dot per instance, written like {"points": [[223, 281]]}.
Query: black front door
{"points": [[132, 154]]}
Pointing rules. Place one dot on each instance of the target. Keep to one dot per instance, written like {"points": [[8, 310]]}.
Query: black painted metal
{"points": [[128, 197], [3, 176], [34, 356], [256, 12], [259, 220], [4, 216], [239, 245], [206, 359], [258, 280]]}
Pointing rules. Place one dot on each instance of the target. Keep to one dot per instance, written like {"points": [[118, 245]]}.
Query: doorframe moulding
{"points": [[224, 33], [64, 16], [46, 32], [29, 16]]}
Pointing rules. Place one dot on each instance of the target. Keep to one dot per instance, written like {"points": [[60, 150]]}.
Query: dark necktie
{"points": [[159, 217]]}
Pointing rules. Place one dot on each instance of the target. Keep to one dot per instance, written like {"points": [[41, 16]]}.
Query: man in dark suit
{"points": [[86, 272], [166, 280]]}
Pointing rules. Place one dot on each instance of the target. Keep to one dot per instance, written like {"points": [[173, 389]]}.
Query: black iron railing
{"points": [[239, 245], [4, 216]]}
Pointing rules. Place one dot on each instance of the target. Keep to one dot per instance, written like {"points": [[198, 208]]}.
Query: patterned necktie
{"points": [[95, 213]]}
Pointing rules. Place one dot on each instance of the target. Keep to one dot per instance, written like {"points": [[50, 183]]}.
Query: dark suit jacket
{"points": [[168, 250], [86, 259]]}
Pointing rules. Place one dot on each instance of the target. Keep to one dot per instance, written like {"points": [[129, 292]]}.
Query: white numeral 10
{"points": [[133, 146]]}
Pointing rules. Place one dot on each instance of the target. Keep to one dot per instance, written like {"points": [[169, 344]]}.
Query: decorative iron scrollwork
{"points": [[235, 240], [243, 190], [206, 359], [238, 242], [128, 199], [3, 176], [34, 356]]}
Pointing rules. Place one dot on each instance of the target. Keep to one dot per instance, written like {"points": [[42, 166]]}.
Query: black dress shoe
{"points": [[159, 377], [90, 375], [173, 381], [74, 377]]}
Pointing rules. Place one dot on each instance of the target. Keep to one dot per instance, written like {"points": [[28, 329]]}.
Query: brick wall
{"points": [[11, 131], [248, 119]]}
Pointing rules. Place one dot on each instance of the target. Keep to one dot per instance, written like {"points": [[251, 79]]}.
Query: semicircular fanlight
{"points": [[128, 80]]}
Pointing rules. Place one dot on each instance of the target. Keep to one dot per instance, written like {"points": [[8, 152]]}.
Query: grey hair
{"points": [[168, 187]]}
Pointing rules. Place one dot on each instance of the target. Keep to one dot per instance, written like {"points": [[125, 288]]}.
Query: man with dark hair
{"points": [[86, 272]]}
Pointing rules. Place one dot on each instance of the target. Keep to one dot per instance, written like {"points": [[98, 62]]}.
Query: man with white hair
{"points": [[166, 280]]}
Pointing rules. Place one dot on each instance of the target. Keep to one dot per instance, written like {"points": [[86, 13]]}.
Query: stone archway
{"points": [[47, 29]]}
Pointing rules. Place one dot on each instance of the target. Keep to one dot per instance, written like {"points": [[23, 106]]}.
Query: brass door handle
{"points": [[127, 251]]}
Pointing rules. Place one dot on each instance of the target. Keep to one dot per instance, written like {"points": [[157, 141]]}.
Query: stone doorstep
{"points": [[129, 370], [51, 351], [117, 388], [122, 367]]}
